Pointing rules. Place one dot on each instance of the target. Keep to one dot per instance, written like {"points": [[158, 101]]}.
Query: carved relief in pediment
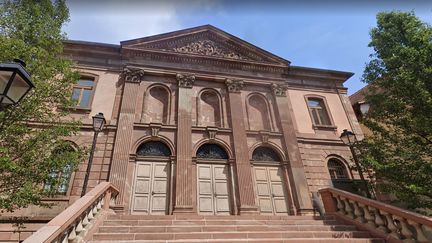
{"points": [[208, 48]]}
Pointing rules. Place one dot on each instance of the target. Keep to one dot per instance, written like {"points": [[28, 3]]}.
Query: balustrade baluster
{"points": [[421, 237], [358, 212], [79, 227], [369, 218], [379, 221], [94, 210], [348, 208], [340, 206], [394, 230], [72, 234], [65, 238], [405, 231], [99, 204], [85, 220], [90, 215]]}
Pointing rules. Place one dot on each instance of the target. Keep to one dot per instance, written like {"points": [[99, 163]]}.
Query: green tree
{"points": [[32, 150], [400, 77]]}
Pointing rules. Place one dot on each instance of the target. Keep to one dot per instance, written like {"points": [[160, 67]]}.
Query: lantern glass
{"points": [[19, 87], [4, 80], [348, 137], [98, 122]]}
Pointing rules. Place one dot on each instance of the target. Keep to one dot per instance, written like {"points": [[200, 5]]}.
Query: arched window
{"points": [[209, 109], [211, 151], [156, 105], [318, 112], [258, 114], [58, 181], [265, 154], [337, 169], [153, 148]]}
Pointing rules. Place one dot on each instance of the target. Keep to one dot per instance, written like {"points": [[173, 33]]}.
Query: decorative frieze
{"points": [[185, 80], [234, 85], [208, 48], [279, 89], [134, 75]]}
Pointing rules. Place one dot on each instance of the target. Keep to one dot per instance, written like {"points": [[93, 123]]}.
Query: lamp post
{"points": [[15, 82], [98, 125], [349, 138]]}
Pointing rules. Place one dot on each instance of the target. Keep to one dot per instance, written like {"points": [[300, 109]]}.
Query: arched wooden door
{"points": [[270, 185], [152, 179], [213, 184]]}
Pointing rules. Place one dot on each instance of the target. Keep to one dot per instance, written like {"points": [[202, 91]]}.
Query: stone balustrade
{"points": [[398, 224], [69, 225]]}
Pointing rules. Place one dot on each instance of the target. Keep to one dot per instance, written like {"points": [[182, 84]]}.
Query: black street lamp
{"points": [[349, 138], [98, 125], [15, 82]]}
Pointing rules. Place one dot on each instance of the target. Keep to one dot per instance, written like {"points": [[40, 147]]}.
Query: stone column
{"points": [[185, 195], [246, 194], [296, 171], [122, 144]]}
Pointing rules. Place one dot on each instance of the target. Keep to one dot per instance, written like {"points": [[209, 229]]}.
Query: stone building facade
{"points": [[202, 122]]}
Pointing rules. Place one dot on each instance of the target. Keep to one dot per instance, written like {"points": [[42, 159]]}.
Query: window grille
{"points": [[211, 151], [265, 154], [153, 148], [337, 169]]}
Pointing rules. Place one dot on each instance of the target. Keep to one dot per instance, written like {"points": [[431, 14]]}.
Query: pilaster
{"points": [[119, 167], [185, 192], [296, 171], [246, 194]]}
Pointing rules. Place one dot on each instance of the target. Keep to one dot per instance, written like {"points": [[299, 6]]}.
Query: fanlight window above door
{"points": [[153, 148], [211, 151], [265, 154]]}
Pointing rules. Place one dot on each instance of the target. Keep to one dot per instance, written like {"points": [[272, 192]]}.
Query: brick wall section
{"points": [[314, 157]]}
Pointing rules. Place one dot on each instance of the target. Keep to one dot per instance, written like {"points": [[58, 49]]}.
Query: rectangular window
{"points": [[82, 92], [318, 112]]}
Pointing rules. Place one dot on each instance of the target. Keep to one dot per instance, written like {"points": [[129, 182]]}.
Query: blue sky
{"points": [[330, 35]]}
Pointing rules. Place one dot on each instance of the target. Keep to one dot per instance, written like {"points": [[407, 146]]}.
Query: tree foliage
{"points": [[32, 150], [400, 80]]}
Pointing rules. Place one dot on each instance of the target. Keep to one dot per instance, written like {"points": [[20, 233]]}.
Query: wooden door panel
{"points": [[213, 194], [270, 190], [150, 188]]}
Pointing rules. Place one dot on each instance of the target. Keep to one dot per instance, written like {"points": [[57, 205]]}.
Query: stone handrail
{"points": [[66, 226], [392, 221]]}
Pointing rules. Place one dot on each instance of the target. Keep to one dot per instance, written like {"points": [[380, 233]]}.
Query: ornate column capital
{"points": [[185, 80], [234, 85], [133, 75], [279, 89]]}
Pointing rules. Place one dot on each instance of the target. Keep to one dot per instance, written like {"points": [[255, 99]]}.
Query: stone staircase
{"points": [[258, 229]]}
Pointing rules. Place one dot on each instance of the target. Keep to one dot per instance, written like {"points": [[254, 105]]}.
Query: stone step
{"points": [[218, 222], [214, 217], [223, 228], [229, 235], [264, 240]]}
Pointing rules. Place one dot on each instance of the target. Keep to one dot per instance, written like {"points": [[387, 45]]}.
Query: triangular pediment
{"points": [[205, 41]]}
